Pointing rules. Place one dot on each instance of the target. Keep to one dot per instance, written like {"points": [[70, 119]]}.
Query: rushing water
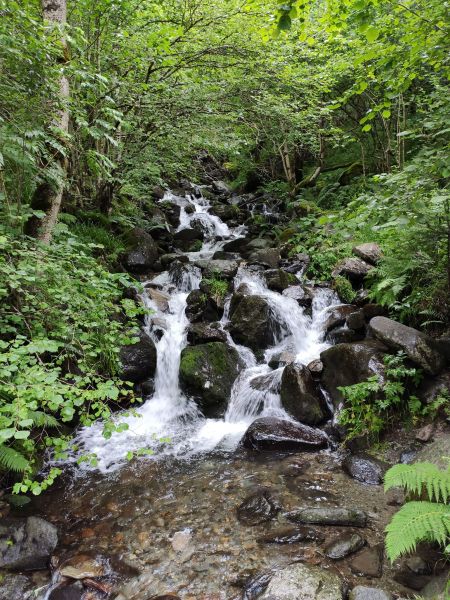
{"points": [[168, 413]]}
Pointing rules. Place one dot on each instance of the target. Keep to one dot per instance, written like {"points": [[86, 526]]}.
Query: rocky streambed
{"points": [[245, 490]]}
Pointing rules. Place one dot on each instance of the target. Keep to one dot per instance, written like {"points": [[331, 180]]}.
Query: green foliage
{"points": [[62, 323], [217, 285], [370, 406], [416, 521], [344, 289]]}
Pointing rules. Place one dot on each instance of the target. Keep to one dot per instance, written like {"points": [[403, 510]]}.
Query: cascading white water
{"points": [[168, 412]]}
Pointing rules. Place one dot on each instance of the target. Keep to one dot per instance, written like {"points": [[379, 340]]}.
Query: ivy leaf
{"points": [[372, 34]]}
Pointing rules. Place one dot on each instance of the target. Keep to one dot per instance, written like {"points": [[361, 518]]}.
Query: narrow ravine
{"points": [[203, 515]]}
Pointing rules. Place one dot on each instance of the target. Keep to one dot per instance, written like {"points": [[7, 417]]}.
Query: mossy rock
{"points": [[207, 373]]}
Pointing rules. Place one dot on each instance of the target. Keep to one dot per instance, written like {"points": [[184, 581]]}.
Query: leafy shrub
{"points": [[344, 289], [422, 520], [62, 323], [371, 405], [217, 285]]}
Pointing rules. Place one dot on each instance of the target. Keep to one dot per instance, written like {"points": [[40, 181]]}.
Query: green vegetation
{"points": [[218, 287], [419, 520], [371, 405]]}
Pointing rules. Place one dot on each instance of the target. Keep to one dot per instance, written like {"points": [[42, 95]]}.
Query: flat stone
{"points": [[344, 545], [329, 515], [361, 592], [303, 582], [353, 268], [369, 252], [82, 566], [369, 562]]}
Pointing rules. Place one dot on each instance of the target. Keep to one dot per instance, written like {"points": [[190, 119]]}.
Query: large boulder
{"points": [[252, 322], [354, 269], [16, 587], [207, 372], [347, 364], [141, 253], [336, 315], [300, 395], [278, 280], [274, 434], [302, 293], [269, 257], [362, 592], [202, 333], [227, 269], [369, 252], [138, 360], [26, 544], [200, 307], [303, 582], [419, 348]]}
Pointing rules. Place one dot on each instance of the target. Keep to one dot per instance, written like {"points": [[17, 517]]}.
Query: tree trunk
{"points": [[48, 197]]}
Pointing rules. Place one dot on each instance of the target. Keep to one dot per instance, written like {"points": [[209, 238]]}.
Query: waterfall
{"points": [[168, 413]]}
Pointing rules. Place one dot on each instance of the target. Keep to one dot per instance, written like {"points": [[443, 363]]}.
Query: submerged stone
{"points": [[365, 468], [292, 535], [329, 515], [303, 582], [343, 545], [258, 508]]}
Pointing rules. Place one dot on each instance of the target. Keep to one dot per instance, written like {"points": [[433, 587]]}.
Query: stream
{"points": [[165, 523]]}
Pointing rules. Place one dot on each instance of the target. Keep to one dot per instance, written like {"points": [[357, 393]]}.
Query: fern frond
{"points": [[416, 522], [12, 460], [42, 419], [414, 478]]}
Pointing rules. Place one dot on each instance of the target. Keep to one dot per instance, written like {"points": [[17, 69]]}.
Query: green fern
{"points": [[414, 478], [416, 522], [42, 419], [12, 460]]}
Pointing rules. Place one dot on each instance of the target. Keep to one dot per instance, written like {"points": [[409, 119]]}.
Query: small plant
{"points": [[419, 520], [217, 286], [372, 404]]}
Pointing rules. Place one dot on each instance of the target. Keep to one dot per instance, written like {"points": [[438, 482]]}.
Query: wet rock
{"points": [[82, 566], [207, 372], [268, 258], [303, 294], [180, 273], [336, 315], [356, 320], [281, 360], [411, 580], [255, 586], [202, 333], [71, 591], [292, 535], [344, 335], [142, 251], [300, 395], [15, 587], [225, 212], [365, 468], [346, 364], [433, 387], [303, 582], [425, 433], [199, 307], [221, 255], [417, 565], [271, 433], [221, 187], [227, 269], [344, 545], [419, 348], [435, 452], [361, 592], [160, 298], [278, 280], [354, 269], [258, 508], [253, 323], [265, 383], [369, 252], [167, 259], [138, 360], [369, 562], [373, 310], [26, 544], [436, 588], [329, 515], [189, 235], [239, 245], [315, 368]]}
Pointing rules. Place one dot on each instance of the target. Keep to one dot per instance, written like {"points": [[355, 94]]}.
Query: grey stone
{"points": [[353, 268], [369, 252], [303, 582], [273, 434], [15, 587], [300, 395], [258, 508], [138, 360], [361, 592], [344, 545], [329, 515], [252, 322], [365, 468], [26, 544], [420, 348]]}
